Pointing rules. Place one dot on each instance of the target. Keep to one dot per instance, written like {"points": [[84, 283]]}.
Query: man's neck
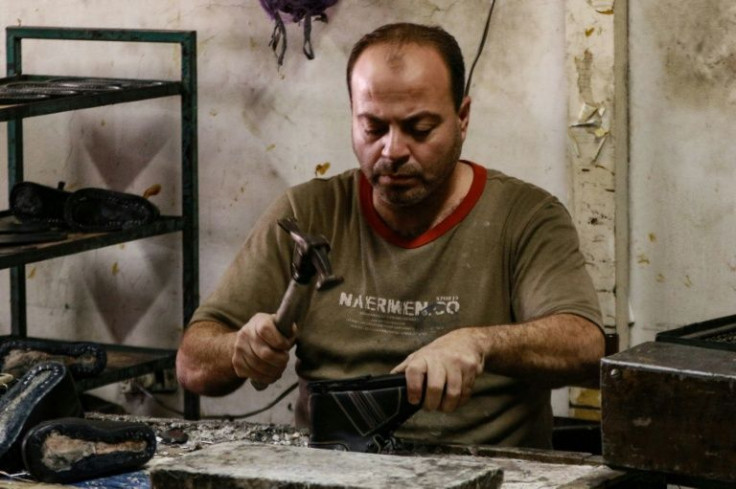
{"points": [[410, 222]]}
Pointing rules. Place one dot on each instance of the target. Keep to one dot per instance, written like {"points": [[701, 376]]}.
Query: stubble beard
{"points": [[401, 195], [422, 187]]}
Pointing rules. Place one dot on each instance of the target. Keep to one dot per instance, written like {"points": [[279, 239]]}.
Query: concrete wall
{"points": [[261, 129], [683, 168]]}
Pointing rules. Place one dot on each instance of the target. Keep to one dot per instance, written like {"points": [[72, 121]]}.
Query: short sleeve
{"points": [[549, 275], [258, 276]]}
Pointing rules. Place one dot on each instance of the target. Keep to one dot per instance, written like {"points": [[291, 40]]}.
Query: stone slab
{"points": [[243, 465]]}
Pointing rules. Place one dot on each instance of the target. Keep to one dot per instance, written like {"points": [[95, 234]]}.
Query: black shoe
{"points": [[33, 202], [101, 210], [87, 209], [83, 359], [72, 449], [358, 415], [45, 392]]}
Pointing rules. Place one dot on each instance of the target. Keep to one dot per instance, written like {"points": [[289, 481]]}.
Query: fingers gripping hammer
{"points": [[308, 259]]}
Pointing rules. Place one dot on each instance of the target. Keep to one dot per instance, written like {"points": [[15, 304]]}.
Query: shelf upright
{"points": [[186, 88]]}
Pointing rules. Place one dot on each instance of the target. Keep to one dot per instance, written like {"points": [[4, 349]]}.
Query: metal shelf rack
{"points": [[137, 361]]}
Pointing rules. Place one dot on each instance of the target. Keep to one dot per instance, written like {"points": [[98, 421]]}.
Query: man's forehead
{"points": [[394, 55], [411, 61], [397, 55]]}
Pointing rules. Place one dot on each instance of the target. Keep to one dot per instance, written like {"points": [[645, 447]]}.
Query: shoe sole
{"points": [[83, 359], [100, 210], [23, 406], [72, 449]]}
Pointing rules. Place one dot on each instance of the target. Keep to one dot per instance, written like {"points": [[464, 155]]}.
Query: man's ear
{"points": [[464, 115]]}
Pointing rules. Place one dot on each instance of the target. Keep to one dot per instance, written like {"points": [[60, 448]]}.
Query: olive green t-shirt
{"points": [[508, 254]]}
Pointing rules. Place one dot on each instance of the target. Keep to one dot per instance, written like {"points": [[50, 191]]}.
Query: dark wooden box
{"points": [[670, 408]]}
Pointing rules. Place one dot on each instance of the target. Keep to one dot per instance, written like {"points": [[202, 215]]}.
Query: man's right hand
{"points": [[261, 352]]}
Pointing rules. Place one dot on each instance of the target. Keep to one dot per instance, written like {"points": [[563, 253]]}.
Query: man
{"points": [[468, 281]]}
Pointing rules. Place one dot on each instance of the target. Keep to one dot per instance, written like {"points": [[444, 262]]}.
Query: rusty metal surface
{"points": [[669, 408]]}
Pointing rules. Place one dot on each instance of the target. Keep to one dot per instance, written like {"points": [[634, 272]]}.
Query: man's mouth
{"points": [[395, 179]]}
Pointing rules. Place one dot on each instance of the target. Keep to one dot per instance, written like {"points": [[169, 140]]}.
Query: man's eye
{"points": [[374, 130], [421, 132]]}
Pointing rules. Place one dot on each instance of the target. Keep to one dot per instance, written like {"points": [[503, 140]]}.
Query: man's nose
{"points": [[395, 145]]}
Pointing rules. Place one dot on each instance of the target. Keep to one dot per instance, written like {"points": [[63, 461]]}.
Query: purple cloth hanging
{"points": [[299, 10]]}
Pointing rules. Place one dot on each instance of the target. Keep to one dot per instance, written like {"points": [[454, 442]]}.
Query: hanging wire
{"points": [[480, 47], [268, 406]]}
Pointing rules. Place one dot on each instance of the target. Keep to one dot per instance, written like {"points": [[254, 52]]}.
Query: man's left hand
{"points": [[449, 365]]}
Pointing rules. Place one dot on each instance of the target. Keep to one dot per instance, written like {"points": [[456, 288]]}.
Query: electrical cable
{"points": [[480, 47], [155, 399], [268, 406], [257, 411]]}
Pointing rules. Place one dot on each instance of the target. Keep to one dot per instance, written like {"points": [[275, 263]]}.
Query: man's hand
{"points": [[449, 365], [261, 352]]}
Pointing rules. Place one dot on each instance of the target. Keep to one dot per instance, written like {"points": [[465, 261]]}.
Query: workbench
{"points": [[522, 468]]}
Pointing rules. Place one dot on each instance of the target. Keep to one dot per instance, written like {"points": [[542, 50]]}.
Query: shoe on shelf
{"points": [[33, 202], [83, 359], [45, 392], [101, 210], [86, 210], [72, 449]]}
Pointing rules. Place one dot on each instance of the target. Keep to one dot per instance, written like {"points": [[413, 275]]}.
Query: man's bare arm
{"points": [[214, 360], [562, 349], [558, 350], [203, 361]]}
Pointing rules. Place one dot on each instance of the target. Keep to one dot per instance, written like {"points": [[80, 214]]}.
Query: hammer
{"points": [[308, 259]]}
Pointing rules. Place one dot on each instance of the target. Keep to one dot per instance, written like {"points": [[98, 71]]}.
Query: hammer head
{"points": [[310, 257]]}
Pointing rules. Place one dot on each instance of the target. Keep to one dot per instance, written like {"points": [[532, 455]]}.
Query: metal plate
{"points": [[719, 333], [24, 91]]}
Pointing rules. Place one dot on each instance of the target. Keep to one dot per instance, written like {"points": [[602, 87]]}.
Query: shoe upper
{"points": [[359, 414]]}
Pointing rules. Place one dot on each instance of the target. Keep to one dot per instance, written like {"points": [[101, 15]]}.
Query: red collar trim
{"points": [[462, 210]]}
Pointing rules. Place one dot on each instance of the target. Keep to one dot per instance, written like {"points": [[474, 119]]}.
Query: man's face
{"points": [[406, 132]]}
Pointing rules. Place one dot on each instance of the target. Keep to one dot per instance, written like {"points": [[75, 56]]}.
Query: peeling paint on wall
{"points": [[602, 6], [321, 168], [590, 69], [584, 65], [154, 189]]}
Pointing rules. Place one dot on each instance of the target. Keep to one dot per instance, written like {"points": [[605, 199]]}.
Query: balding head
{"points": [[401, 34]]}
